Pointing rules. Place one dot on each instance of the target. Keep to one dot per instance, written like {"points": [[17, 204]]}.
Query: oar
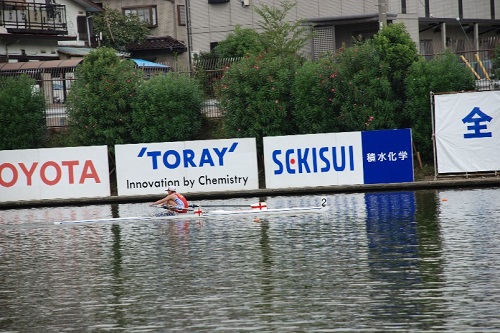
{"points": [[259, 205], [221, 205]]}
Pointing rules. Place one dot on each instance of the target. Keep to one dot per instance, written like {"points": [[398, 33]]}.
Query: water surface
{"points": [[419, 261]]}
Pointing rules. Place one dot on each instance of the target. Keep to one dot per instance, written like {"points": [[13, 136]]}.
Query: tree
{"points": [[239, 43], [255, 95], [167, 108], [316, 107], [397, 52], [22, 113], [496, 63], [279, 36], [99, 103], [118, 30], [444, 73], [361, 90]]}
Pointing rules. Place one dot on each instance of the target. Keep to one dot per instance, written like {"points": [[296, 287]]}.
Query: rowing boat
{"points": [[199, 213]]}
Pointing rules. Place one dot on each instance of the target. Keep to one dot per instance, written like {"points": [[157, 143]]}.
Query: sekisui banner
{"points": [[191, 166], [54, 173], [370, 157], [467, 131]]}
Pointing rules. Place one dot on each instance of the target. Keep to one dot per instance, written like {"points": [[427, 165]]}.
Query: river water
{"points": [[408, 261]]}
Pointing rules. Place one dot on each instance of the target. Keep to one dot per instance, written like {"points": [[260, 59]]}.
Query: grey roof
{"points": [[82, 51], [349, 19]]}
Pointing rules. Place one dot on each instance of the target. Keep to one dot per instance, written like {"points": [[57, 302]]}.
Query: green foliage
{"points": [[22, 114], [397, 51], [119, 30], [496, 63], [99, 102], [280, 36], [238, 44], [349, 91], [255, 96], [316, 110], [442, 74], [167, 108]]}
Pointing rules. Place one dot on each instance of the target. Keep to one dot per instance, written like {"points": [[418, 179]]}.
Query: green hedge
{"points": [[22, 114]]}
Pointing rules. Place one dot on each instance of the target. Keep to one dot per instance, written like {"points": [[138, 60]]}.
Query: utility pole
{"points": [[382, 14], [189, 36]]}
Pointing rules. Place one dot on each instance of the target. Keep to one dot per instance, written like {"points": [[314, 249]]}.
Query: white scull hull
{"points": [[198, 215]]}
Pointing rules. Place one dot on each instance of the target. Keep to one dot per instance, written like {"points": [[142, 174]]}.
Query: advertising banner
{"points": [[467, 128], [191, 166], [327, 159], [54, 173]]}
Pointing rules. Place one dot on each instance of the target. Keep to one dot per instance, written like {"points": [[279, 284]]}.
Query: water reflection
{"points": [[394, 261]]}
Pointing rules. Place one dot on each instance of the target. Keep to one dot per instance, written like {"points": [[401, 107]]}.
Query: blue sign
{"points": [[387, 156]]}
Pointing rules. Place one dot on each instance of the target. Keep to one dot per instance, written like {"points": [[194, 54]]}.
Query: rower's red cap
{"points": [[170, 188]]}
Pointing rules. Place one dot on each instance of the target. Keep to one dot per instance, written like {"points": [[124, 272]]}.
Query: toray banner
{"points": [[467, 132], [54, 173], [370, 157], [191, 166]]}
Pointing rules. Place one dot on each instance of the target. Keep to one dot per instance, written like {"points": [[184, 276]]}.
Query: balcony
{"points": [[33, 18]]}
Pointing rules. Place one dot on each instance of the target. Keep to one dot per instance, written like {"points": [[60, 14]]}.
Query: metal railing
{"points": [[21, 17]]}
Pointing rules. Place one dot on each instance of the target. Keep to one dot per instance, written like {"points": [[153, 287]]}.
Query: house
{"points": [[166, 21], [34, 30], [434, 25]]}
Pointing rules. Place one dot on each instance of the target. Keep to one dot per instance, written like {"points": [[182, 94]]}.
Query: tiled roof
{"points": [[159, 43]]}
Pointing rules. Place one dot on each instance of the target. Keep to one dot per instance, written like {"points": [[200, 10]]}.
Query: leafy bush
{"points": [[119, 31], [316, 110], [442, 74], [22, 114], [362, 90], [167, 108], [496, 64], [239, 43], [255, 96], [99, 103]]}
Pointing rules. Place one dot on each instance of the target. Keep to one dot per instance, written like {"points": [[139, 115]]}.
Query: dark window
{"points": [[181, 15], [218, 1]]}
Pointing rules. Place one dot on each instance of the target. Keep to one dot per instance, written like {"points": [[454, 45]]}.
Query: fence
{"points": [[56, 77]]}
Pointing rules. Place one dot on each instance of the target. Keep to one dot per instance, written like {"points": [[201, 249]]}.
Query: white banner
{"points": [[191, 166], [467, 132], [313, 160], [348, 158], [50, 173]]}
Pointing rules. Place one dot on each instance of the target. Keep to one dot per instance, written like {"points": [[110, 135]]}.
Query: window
{"points": [[181, 14], [145, 13]]}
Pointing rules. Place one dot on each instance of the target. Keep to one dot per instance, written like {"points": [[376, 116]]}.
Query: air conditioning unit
{"points": [[245, 3]]}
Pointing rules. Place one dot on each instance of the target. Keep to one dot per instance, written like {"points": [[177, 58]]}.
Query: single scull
{"points": [[199, 213]]}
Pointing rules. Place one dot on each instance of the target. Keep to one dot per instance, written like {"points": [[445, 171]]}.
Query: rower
{"points": [[174, 202]]}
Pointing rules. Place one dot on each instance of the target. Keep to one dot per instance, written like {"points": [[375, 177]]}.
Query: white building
{"points": [[33, 30], [433, 24]]}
